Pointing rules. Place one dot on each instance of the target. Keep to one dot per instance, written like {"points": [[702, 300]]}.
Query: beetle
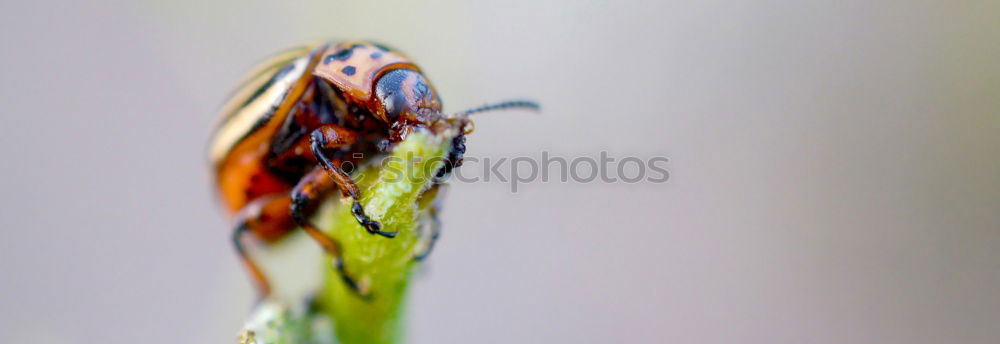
{"points": [[297, 118]]}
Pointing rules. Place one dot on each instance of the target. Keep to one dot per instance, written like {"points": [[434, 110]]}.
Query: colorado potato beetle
{"points": [[289, 126]]}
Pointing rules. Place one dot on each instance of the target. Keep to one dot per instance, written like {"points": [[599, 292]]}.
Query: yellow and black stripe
{"points": [[256, 99]]}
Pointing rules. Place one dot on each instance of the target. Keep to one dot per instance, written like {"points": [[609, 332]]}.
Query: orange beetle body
{"points": [[290, 127]]}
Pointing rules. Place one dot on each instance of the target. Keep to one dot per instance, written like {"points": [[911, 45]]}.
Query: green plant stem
{"points": [[380, 265]]}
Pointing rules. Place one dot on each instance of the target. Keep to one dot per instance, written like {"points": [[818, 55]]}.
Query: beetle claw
{"points": [[376, 230], [372, 226], [359, 289]]}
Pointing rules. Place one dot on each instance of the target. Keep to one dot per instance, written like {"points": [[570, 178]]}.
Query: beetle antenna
{"points": [[510, 104]]}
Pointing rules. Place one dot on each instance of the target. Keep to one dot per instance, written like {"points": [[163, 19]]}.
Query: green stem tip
{"points": [[391, 194]]}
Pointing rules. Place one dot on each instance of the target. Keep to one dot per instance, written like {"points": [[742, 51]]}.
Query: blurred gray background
{"points": [[834, 169]]}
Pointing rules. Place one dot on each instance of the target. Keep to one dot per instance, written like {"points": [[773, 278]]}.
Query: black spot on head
{"points": [[381, 47], [422, 89], [389, 90], [376, 54], [349, 70], [342, 55]]}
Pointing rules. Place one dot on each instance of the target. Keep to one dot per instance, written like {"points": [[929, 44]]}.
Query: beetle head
{"points": [[406, 96], [407, 100]]}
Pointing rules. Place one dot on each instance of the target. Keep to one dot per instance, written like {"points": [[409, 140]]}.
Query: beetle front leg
{"points": [[330, 137], [304, 201]]}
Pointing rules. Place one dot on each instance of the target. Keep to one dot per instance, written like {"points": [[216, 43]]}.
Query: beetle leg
{"points": [[435, 225], [313, 187], [453, 160], [331, 136], [431, 201], [259, 280], [268, 218]]}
